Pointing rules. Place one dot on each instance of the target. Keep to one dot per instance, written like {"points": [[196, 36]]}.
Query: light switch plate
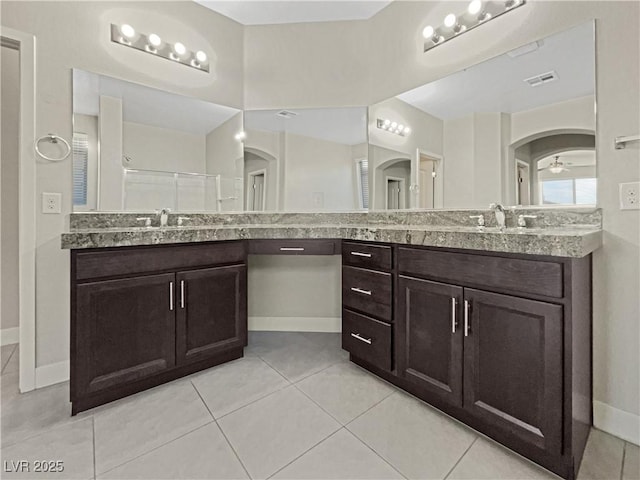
{"points": [[630, 196], [51, 202]]}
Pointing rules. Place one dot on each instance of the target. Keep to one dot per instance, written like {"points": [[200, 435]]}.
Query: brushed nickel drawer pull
{"points": [[362, 339], [454, 322], [181, 293], [292, 249], [466, 318], [359, 290], [360, 254], [171, 296]]}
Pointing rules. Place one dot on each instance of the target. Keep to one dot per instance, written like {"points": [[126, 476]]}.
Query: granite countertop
{"points": [[563, 241]]}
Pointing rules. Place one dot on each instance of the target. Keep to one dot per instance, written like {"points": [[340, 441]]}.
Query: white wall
{"points": [[76, 35], [9, 178], [575, 114], [110, 130], [458, 163], [224, 154], [155, 148], [318, 171]]}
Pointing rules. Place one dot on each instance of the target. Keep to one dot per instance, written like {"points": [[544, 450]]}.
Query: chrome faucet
{"points": [[164, 216], [498, 210]]}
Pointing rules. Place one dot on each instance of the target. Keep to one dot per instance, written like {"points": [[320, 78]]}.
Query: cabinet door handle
{"points": [[467, 306], [360, 254], [292, 249], [454, 322], [359, 290], [181, 293], [171, 296], [362, 339]]}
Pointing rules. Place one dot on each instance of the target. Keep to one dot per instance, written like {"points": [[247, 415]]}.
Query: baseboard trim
{"points": [[296, 324], [52, 374], [617, 422], [9, 336]]}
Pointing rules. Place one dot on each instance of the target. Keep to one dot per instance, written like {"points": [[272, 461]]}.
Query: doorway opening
{"points": [[256, 191], [395, 193]]}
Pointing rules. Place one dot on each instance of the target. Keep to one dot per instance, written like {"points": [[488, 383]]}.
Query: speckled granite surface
{"points": [[571, 241], [546, 217]]}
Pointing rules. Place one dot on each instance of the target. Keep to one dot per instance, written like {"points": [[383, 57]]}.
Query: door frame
{"points": [[402, 200], [438, 183], [26, 207], [255, 173], [521, 163]]}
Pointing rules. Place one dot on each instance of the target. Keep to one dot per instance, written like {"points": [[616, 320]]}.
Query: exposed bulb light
{"points": [[393, 127], [474, 7], [127, 31], [555, 169], [151, 43], [476, 13], [240, 136], [179, 49], [450, 20], [154, 40]]}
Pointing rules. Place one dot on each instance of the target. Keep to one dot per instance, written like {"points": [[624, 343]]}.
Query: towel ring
{"points": [[53, 139]]}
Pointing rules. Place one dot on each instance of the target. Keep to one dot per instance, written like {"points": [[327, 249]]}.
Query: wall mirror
{"points": [[136, 148], [518, 129], [306, 159]]}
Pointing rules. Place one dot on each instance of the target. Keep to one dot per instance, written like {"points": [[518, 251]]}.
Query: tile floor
{"points": [[292, 408]]}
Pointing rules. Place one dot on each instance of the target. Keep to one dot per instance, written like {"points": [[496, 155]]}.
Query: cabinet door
{"points": [[429, 342], [513, 366], [124, 331], [212, 312]]}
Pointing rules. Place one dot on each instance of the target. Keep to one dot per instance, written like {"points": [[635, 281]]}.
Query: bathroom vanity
{"points": [[497, 335]]}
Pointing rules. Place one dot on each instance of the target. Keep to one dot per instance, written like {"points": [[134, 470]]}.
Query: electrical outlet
{"points": [[630, 196], [51, 202]]}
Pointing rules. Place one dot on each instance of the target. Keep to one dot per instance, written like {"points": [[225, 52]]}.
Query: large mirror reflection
{"points": [[306, 159], [517, 129], [136, 148]]}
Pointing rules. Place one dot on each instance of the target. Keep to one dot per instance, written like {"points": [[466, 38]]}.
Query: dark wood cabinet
{"points": [[212, 312], [429, 337], [513, 366], [127, 332], [499, 341], [142, 316]]}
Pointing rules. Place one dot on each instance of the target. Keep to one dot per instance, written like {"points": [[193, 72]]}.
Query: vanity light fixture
{"points": [[126, 35], [393, 127], [477, 13]]}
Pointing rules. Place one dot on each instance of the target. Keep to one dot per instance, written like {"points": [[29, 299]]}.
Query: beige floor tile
{"points": [[70, 444], [136, 425], [486, 460], [6, 352], [602, 458], [631, 467], [345, 390], [273, 431], [33, 413], [233, 385], [339, 457], [204, 453], [417, 440]]}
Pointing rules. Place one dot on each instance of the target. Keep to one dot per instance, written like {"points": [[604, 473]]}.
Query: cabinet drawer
{"points": [[125, 261], [367, 339], [367, 291], [510, 274], [367, 255], [294, 247]]}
